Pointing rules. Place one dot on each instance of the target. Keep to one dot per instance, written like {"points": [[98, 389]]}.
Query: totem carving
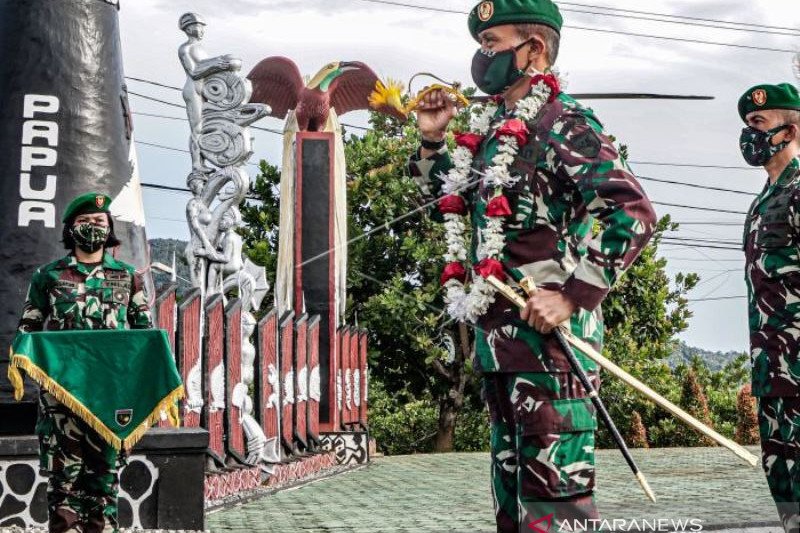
{"points": [[217, 97]]}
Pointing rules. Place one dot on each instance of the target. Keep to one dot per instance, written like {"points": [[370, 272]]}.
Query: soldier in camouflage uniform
{"points": [[542, 423], [87, 289], [772, 271]]}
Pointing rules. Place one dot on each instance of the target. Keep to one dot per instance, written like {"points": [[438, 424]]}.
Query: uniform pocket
{"points": [[558, 416], [774, 235], [559, 465]]}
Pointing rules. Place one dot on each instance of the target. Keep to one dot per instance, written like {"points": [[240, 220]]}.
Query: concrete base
{"points": [[350, 447], [161, 488]]}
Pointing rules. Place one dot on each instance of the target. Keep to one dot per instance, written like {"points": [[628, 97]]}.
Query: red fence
{"points": [[286, 357], [301, 382], [189, 355], [207, 340], [313, 380], [235, 391], [267, 378], [214, 377]]}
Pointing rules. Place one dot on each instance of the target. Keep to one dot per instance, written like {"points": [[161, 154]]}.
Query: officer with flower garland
{"points": [[772, 269], [532, 176]]}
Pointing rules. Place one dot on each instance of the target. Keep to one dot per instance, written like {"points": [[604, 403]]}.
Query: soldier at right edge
{"points": [[772, 271]]}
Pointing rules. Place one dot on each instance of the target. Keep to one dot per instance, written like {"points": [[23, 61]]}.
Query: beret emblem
{"points": [[485, 11]]}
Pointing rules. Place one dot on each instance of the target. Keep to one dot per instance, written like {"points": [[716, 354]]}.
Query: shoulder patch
{"points": [[586, 143]]}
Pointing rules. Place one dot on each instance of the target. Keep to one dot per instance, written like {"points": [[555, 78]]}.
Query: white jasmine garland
{"points": [[468, 304]]}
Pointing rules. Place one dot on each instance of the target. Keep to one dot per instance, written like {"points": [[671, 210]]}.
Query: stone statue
{"points": [[198, 67], [217, 99]]}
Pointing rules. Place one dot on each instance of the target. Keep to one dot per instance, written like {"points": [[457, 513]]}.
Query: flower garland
{"points": [[464, 303]]}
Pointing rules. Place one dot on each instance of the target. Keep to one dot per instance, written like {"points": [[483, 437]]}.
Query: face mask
{"points": [[493, 72], [757, 147], [90, 237]]}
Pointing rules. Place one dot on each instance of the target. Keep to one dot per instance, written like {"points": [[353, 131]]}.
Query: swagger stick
{"points": [[652, 395], [599, 406]]}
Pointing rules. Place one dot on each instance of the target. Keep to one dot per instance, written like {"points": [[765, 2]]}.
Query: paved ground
{"points": [[438, 493]]}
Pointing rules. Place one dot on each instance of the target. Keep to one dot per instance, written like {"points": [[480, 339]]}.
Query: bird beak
{"points": [[344, 66]]}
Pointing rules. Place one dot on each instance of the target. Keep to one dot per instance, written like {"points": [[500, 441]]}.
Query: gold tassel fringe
{"points": [[80, 410], [168, 402], [16, 379]]}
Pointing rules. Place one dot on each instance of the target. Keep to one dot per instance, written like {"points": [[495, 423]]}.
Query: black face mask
{"points": [[90, 237], [756, 145], [493, 72]]}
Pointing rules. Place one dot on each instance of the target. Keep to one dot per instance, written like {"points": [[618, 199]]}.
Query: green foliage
{"points": [[261, 218], [393, 292]]}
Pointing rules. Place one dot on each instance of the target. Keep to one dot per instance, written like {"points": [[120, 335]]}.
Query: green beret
{"points": [[91, 202], [760, 97], [491, 13]]}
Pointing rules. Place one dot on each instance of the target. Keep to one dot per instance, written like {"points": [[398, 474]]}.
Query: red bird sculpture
{"points": [[344, 86]]}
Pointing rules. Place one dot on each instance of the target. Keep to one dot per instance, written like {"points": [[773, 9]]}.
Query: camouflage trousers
{"points": [[82, 470], [542, 450], [779, 428]]}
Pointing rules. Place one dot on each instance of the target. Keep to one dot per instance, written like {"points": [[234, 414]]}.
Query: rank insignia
{"points": [[759, 97], [99, 200], [485, 11], [123, 416]]}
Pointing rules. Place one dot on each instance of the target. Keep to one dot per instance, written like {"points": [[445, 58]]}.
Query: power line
{"points": [[710, 223], [171, 104], [717, 299], [692, 165], [698, 260], [695, 185], [584, 28], [173, 149], [685, 17], [164, 102], [678, 39], [710, 209], [700, 246], [707, 241], [681, 22]]}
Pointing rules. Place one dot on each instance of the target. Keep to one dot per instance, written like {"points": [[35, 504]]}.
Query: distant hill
{"points": [[161, 251], [714, 360]]}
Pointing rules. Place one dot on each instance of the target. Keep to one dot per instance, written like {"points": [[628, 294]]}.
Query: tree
{"points": [[418, 357], [747, 421], [643, 314], [638, 436], [694, 401]]}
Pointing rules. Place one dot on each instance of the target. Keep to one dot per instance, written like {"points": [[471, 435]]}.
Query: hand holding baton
{"points": [[529, 287], [652, 395]]}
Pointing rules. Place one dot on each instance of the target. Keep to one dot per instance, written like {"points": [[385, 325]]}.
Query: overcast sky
{"points": [[397, 42]]}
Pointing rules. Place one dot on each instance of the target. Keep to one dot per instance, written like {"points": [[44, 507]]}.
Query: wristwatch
{"points": [[433, 145]]}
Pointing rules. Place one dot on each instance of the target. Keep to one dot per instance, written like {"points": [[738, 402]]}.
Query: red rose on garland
{"points": [[453, 271], [498, 207], [514, 128], [452, 204], [490, 267], [551, 81], [470, 141]]}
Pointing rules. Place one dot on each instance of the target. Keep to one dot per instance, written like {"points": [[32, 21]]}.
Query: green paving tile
{"points": [[450, 492]]}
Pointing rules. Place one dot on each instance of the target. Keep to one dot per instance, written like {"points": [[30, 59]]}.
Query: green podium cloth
{"points": [[117, 381]]}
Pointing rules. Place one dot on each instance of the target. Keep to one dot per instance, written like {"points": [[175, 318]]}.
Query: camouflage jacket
{"points": [[572, 176], [772, 272], [66, 295]]}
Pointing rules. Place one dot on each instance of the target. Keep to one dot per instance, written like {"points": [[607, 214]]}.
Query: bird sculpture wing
{"points": [[277, 82], [351, 91]]}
